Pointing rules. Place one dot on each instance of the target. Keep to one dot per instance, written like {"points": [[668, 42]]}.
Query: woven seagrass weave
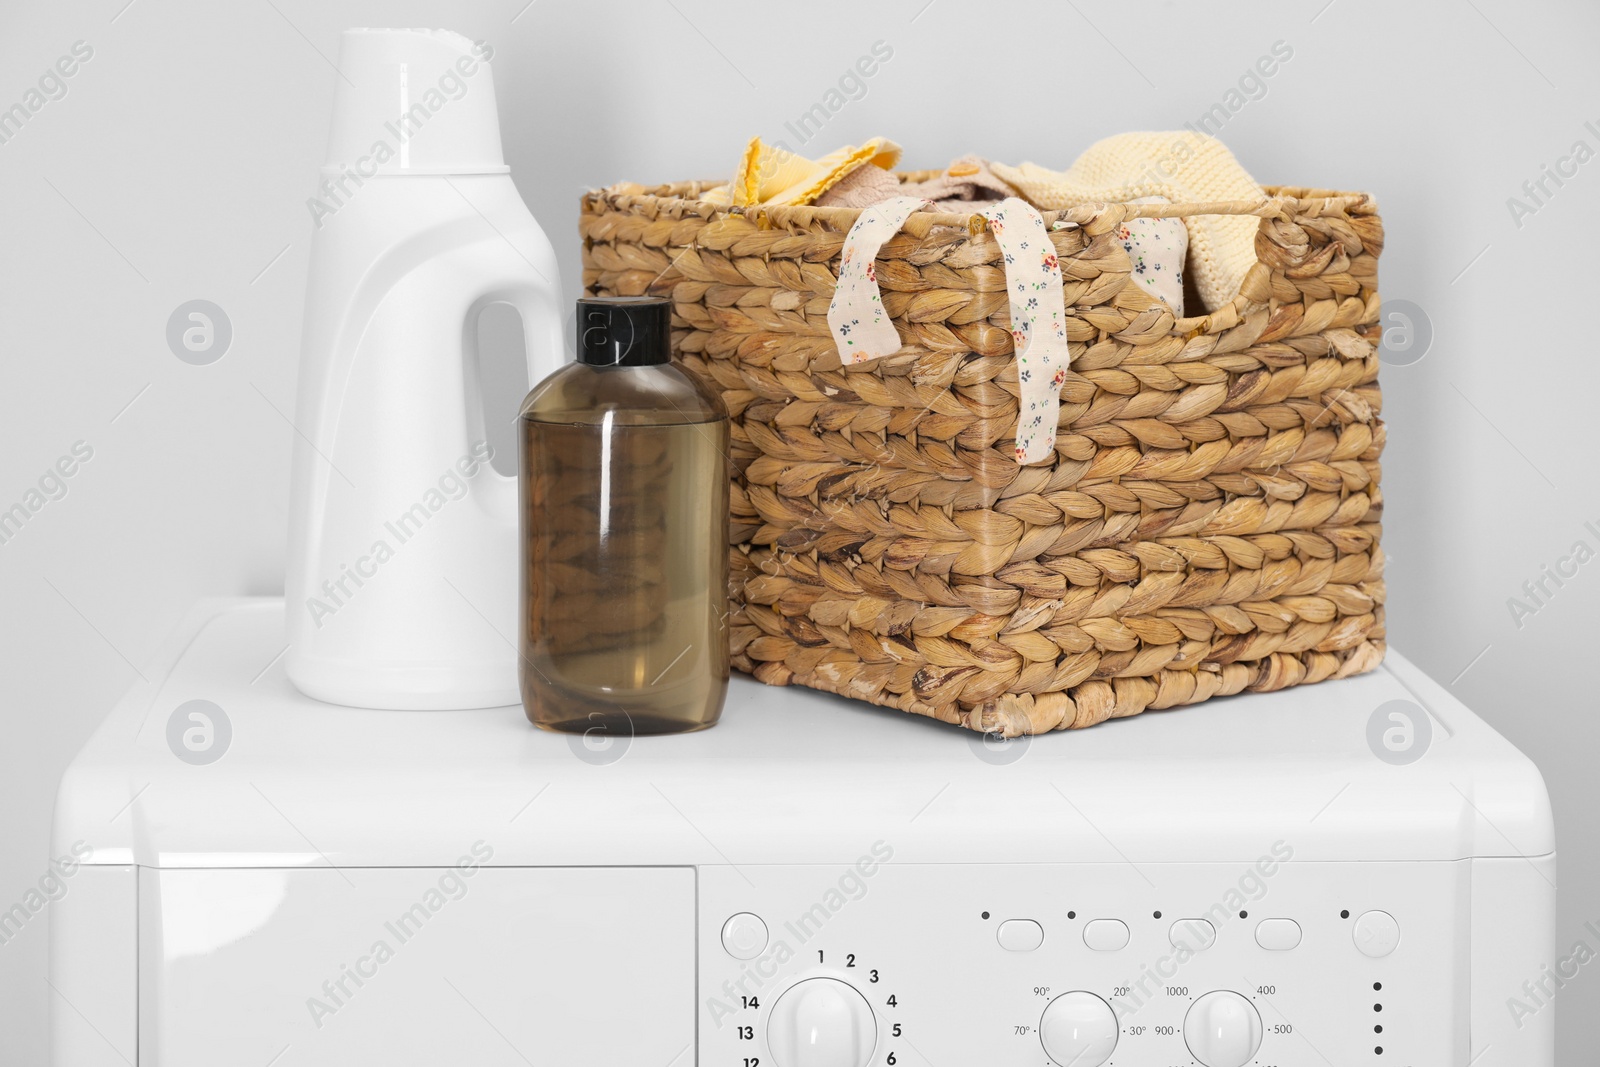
{"points": [[1209, 522]]}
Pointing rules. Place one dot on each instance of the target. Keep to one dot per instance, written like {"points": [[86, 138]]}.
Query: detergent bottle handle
{"points": [[538, 303], [541, 310]]}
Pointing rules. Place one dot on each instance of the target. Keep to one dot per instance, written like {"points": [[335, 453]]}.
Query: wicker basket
{"points": [[1208, 524]]}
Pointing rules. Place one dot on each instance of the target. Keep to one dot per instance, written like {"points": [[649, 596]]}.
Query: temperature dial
{"points": [[1222, 1029], [821, 1022], [1078, 1030]]}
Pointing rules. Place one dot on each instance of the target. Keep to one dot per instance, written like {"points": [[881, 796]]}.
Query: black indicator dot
{"points": [[1344, 914], [1377, 1007], [1244, 915], [1072, 915], [1377, 1029], [985, 915], [1158, 915], [1379, 1050], [1377, 985]]}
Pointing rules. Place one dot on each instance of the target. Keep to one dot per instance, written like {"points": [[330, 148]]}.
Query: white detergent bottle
{"points": [[402, 565]]}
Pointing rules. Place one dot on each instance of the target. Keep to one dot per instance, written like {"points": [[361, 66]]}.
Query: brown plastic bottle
{"points": [[624, 511]]}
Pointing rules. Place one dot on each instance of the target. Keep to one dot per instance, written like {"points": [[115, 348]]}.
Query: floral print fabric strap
{"points": [[1038, 323], [861, 328], [1157, 249]]}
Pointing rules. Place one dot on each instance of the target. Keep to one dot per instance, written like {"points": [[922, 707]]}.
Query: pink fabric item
{"points": [[972, 186], [861, 188]]}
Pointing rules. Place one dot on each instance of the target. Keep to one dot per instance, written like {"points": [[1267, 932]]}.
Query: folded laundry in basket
{"points": [[967, 184], [774, 176], [1181, 166], [851, 177], [1137, 168]]}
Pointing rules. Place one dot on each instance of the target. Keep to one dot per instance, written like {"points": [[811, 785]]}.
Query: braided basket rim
{"points": [[675, 199]]}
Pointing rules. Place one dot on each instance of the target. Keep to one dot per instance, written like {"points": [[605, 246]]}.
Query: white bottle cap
{"points": [[414, 102]]}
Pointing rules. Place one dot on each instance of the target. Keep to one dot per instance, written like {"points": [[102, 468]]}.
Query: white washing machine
{"points": [[1357, 872]]}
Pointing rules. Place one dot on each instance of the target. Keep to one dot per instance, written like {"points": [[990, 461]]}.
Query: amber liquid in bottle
{"points": [[624, 575]]}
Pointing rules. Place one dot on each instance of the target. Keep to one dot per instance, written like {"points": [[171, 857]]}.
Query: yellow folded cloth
{"points": [[1181, 166], [769, 175]]}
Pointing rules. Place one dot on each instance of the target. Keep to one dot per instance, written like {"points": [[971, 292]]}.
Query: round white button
{"points": [[1222, 1029], [821, 1022], [744, 936], [1078, 1030], [1376, 934]]}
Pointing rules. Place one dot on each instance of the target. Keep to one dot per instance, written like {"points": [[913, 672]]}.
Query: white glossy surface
{"points": [[94, 970], [385, 72], [822, 1022], [460, 964], [1078, 1029], [379, 789], [1222, 1029], [1512, 932]]}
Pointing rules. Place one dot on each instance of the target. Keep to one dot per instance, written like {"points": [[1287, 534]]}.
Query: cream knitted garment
{"points": [[1185, 168]]}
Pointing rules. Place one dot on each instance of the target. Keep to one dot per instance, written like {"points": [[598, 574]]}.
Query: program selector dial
{"points": [[821, 1022], [1078, 1030], [1222, 1029]]}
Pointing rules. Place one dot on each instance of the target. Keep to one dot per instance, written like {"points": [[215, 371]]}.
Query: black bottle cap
{"points": [[624, 331]]}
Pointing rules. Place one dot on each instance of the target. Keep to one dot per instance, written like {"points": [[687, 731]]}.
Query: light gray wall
{"points": [[177, 165]]}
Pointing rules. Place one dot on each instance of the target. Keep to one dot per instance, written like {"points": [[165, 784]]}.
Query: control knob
{"points": [[1222, 1029], [1078, 1030], [821, 1022]]}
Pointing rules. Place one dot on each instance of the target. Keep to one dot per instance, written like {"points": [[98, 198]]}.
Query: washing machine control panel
{"points": [[1266, 963]]}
